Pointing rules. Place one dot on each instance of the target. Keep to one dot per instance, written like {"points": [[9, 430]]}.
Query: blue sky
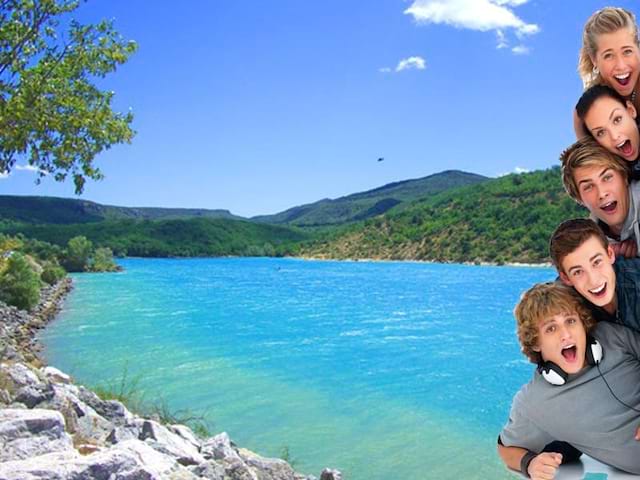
{"points": [[258, 106]]}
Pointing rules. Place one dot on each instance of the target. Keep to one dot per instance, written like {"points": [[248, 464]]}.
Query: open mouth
{"points": [[569, 353], [625, 148], [610, 207], [599, 292], [623, 79]]}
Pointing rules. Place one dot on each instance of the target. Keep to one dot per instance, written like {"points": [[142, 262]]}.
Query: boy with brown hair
{"points": [[584, 260], [558, 333], [599, 180]]}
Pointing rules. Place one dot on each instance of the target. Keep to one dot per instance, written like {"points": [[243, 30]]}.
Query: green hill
{"points": [[67, 210], [364, 205], [508, 219], [181, 237]]}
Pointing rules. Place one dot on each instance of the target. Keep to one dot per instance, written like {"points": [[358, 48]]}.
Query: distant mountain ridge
{"points": [[371, 203], [506, 219], [56, 210]]}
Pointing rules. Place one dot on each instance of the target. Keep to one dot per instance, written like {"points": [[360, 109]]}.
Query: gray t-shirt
{"points": [[583, 412]]}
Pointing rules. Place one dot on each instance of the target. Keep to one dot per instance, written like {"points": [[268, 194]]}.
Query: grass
{"points": [[127, 390]]}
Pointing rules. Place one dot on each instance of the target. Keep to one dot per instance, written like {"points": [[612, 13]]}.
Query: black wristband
{"points": [[526, 460]]}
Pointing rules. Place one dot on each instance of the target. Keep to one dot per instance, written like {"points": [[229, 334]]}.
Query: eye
{"points": [[576, 273], [627, 52], [550, 329], [599, 133], [587, 187], [617, 119], [571, 320], [608, 177], [597, 262], [607, 56]]}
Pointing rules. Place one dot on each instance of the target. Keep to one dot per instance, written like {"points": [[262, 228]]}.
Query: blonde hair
{"points": [[587, 152], [606, 20], [540, 302]]}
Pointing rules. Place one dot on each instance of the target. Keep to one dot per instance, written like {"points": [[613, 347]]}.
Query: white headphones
{"points": [[553, 374]]}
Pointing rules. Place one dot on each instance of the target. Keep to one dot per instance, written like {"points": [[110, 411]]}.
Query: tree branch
{"points": [[32, 32]]}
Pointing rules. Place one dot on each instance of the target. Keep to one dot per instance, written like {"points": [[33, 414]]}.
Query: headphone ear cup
{"points": [[594, 352], [553, 374]]}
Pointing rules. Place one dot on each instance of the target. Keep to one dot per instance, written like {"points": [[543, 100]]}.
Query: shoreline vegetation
{"points": [[52, 428], [504, 220]]}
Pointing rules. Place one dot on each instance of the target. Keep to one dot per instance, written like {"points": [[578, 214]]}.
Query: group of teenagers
{"points": [[583, 330]]}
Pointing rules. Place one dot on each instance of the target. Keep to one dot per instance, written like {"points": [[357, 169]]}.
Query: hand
{"points": [[637, 436], [544, 466], [627, 248]]}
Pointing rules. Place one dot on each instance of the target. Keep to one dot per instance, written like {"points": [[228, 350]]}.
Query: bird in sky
{"points": [[381, 159]]}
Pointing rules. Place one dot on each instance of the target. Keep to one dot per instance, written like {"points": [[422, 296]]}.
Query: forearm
{"points": [[511, 456]]}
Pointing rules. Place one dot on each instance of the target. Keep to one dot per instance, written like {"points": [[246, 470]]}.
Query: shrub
{"points": [[19, 284], [52, 274]]}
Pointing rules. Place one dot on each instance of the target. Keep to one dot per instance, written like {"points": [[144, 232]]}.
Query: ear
{"points": [[611, 255], [565, 279], [631, 109]]}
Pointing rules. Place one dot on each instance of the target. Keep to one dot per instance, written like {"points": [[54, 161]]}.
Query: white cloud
{"points": [[384, 70], [30, 168], [516, 170], [411, 63], [4, 175], [502, 39], [520, 50], [481, 15]]}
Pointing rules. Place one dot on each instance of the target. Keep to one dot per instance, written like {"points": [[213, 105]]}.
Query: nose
{"points": [[564, 332]]}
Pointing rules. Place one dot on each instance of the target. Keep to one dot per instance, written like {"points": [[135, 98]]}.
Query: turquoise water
{"points": [[383, 370]]}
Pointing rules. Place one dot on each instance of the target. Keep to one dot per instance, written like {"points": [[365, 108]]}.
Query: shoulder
{"points": [[629, 267], [614, 335]]}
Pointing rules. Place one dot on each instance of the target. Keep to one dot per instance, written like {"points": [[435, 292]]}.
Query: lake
{"points": [[380, 369]]}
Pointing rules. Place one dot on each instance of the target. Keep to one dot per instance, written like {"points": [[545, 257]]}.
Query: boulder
{"points": [[112, 410], [328, 474], [160, 438], [132, 460], [29, 433], [267, 468], [54, 375]]}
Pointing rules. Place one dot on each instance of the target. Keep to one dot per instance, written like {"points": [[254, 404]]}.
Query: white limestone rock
{"points": [[267, 468], [219, 447], [17, 376], [29, 433], [112, 410], [160, 438], [131, 460], [54, 375]]}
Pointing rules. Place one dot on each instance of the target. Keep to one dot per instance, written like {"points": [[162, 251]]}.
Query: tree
{"points": [[102, 261], [19, 284], [51, 113], [77, 254]]}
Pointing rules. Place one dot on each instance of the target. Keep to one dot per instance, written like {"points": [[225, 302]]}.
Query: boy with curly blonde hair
{"points": [[580, 365]]}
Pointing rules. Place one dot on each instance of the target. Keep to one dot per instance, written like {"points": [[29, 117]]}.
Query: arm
{"points": [[627, 248], [543, 466]]}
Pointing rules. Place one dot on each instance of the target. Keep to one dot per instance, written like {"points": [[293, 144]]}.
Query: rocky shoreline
{"points": [[52, 429]]}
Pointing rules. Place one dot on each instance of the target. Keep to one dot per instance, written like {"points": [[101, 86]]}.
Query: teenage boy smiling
{"points": [[585, 261]]}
